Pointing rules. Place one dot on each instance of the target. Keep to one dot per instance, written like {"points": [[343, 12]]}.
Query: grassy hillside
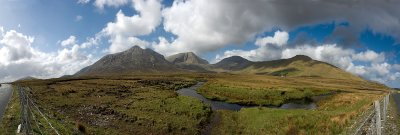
{"points": [[298, 66]]}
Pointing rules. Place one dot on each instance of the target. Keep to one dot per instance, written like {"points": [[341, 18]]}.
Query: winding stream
{"points": [[220, 105]]}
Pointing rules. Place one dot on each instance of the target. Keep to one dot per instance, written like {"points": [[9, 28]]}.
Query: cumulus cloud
{"points": [[15, 46], [69, 42], [19, 59], [223, 23], [369, 56], [280, 38], [124, 30], [83, 1], [112, 3]]}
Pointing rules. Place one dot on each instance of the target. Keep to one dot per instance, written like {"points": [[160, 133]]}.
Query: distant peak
{"points": [[186, 57], [301, 57], [190, 53], [187, 53], [236, 58], [135, 47]]}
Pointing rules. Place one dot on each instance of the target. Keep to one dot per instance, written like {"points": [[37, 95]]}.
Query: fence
{"points": [[28, 118], [373, 123]]}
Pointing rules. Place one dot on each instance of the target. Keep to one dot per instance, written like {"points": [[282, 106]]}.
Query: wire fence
{"points": [[373, 123], [29, 110]]}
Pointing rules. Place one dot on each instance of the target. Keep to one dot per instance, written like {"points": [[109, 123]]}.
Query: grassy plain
{"points": [[334, 114], [267, 90], [141, 105], [148, 103]]}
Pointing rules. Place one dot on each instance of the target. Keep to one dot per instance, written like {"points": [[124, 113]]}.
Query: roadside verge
{"points": [[11, 118]]}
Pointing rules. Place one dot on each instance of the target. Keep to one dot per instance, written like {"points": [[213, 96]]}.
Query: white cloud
{"points": [[96, 40], [83, 1], [15, 46], [121, 43], [382, 69], [280, 38], [208, 25], [112, 3], [369, 56], [124, 30], [78, 18], [19, 59], [395, 76], [69, 42]]}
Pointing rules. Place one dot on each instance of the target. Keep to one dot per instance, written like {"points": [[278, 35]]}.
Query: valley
{"points": [[199, 67], [140, 92]]}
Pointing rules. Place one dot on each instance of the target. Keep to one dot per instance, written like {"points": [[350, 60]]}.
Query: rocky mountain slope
{"points": [[187, 58], [134, 59]]}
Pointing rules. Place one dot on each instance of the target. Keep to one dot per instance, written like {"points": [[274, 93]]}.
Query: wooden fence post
{"points": [[378, 118]]}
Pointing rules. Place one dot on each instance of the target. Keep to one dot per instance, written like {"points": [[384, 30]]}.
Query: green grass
{"points": [[262, 120], [255, 96], [284, 72], [12, 116], [144, 105]]}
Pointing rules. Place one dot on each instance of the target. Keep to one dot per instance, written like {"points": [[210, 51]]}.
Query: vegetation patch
{"points": [[285, 72], [256, 96]]}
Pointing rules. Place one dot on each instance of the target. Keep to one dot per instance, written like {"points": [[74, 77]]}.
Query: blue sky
{"points": [[258, 30]]}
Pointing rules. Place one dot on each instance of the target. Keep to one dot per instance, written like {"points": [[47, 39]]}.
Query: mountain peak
{"points": [[233, 63], [187, 58], [301, 57], [136, 47], [134, 59], [238, 59]]}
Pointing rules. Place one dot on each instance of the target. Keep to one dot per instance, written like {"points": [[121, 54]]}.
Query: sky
{"points": [[52, 38]]}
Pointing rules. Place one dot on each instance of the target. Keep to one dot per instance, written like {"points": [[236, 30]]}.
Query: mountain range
{"points": [[141, 60], [134, 59]]}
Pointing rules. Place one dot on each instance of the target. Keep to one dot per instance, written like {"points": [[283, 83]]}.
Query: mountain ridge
{"points": [[134, 59], [141, 60]]}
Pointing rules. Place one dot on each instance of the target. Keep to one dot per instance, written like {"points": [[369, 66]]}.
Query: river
{"points": [[5, 94], [220, 105]]}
